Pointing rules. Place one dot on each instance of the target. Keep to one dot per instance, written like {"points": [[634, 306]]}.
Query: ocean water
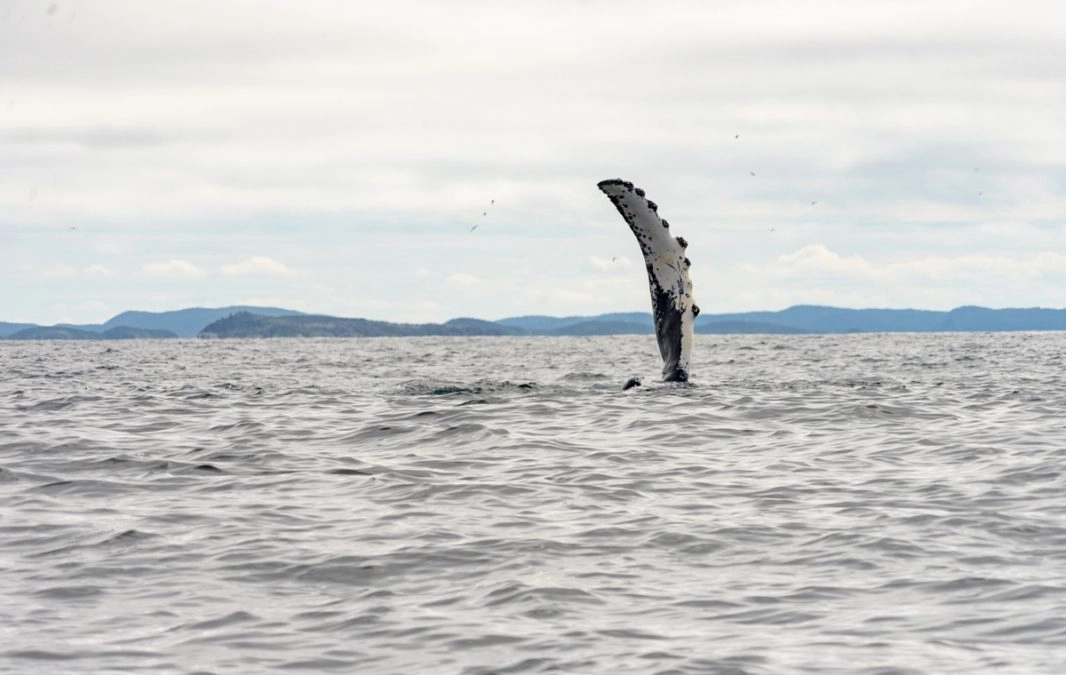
{"points": [[811, 504]]}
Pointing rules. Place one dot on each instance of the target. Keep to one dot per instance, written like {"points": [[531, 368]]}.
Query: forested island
{"points": [[248, 325]]}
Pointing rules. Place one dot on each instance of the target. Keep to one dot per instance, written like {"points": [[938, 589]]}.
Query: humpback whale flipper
{"points": [[671, 287]]}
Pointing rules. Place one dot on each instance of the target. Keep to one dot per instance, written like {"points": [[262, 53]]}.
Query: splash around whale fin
{"points": [[668, 277]]}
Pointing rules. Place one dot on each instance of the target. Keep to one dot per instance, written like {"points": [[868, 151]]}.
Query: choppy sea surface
{"points": [[811, 504]]}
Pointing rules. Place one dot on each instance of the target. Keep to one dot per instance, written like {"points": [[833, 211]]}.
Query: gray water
{"points": [[813, 504]]}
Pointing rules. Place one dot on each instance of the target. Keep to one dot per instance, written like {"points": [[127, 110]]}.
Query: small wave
{"points": [[800, 509], [585, 377]]}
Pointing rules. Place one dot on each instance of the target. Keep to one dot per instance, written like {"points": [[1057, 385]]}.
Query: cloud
{"points": [[816, 274], [467, 280], [63, 271], [256, 266], [97, 270], [100, 138], [934, 155], [173, 269], [82, 312], [58, 271], [816, 261]]}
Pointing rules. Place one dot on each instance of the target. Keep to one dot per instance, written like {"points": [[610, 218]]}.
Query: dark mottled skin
{"points": [[668, 333], [668, 325]]}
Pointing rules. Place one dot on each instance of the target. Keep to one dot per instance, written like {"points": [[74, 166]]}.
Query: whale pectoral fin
{"points": [[669, 283]]}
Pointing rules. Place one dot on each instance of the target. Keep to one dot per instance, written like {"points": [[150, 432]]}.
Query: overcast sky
{"points": [[334, 156]]}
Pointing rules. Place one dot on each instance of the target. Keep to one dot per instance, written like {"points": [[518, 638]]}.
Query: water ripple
{"points": [[811, 504]]}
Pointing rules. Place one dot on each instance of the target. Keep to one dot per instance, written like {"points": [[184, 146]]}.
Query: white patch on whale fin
{"points": [[668, 278]]}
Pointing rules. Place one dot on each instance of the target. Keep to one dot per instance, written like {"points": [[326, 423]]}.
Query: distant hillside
{"points": [[247, 325], [799, 319], [10, 328], [179, 323], [188, 322], [552, 325], [597, 327], [70, 333], [745, 328], [809, 319], [817, 319], [981, 318], [641, 323], [482, 327], [130, 333]]}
